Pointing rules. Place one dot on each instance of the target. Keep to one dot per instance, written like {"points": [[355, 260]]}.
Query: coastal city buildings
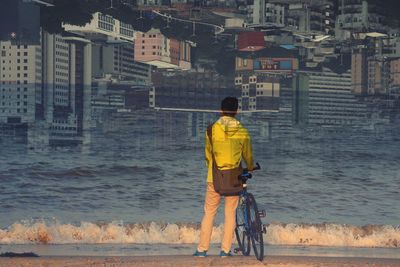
{"points": [[290, 62], [156, 49], [116, 73], [50, 83]]}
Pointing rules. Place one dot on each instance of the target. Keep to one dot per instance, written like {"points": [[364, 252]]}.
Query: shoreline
{"points": [[164, 261]]}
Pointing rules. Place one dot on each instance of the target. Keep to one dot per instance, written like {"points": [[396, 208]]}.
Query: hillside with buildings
{"points": [[66, 63]]}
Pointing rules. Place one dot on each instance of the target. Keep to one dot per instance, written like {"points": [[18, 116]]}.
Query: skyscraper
{"points": [[20, 82]]}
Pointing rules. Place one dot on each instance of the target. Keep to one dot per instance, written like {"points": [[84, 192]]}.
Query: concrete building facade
{"points": [[117, 61], [326, 99], [357, 16], [156, 49], [20, 82], [47, 86]]}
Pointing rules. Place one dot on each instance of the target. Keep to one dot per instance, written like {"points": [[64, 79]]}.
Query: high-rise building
{"points": [[325, 98], [48, 85], [20, 82], [67, 78]]}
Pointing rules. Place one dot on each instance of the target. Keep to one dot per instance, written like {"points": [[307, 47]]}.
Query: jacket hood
{"points": [[229, 125]]}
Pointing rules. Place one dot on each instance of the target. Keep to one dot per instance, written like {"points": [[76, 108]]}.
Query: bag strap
{"points": [[209, 134]]}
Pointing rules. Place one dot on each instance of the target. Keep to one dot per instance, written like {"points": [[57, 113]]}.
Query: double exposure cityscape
{"points": [[105, 104]]}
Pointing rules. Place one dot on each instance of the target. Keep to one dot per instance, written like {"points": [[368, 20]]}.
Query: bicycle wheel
{"points": [[256, 228], [242, 236]]}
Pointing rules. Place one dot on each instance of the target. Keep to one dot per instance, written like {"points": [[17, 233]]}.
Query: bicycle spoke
{"points": [[255, 228]]}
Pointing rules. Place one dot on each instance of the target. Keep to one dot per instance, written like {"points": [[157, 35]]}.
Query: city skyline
{"points": [[267, 54]]}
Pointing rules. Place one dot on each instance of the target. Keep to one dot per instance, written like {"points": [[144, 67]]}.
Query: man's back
{"points": [[231, 141]]}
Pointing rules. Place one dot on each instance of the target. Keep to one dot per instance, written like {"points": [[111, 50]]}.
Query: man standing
{"points": [[230, 143]]}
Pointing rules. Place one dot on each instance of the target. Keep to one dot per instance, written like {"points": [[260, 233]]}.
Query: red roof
{"points": [[250, 41]]}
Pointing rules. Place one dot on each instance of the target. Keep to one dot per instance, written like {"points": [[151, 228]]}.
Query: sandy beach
{"points": [[164, 261]]}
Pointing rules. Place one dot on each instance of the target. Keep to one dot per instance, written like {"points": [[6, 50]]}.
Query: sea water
{"points": [[140, 180]]}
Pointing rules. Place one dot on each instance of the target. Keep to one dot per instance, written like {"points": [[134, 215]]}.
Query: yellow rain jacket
{"points": [[231, 143]]}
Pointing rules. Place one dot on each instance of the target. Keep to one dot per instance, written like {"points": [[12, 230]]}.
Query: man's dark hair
{"points": [[230, 105]]}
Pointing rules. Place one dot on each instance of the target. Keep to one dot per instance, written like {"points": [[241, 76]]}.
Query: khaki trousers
{"points": [[211, 205]]}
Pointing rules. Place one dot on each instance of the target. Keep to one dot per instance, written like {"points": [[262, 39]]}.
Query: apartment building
{"points": [[358, 15], [20, 82], [47, 84], [117, 61], [156, 49], [66, 91], [325, 98]]}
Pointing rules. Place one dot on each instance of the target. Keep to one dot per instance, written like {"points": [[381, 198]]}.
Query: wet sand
{"points": [[173, 261]]}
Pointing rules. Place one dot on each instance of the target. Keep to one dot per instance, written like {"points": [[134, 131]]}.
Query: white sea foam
{"points": [[152, 233]]}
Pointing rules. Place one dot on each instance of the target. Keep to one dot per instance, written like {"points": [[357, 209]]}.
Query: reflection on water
{"points": [[149, 166]]}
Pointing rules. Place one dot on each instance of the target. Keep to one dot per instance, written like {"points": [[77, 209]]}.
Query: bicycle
{"points": [[249, 227]]}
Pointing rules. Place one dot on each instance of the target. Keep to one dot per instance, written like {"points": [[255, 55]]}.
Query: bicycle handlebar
{"points": [[247, 175], [257, 167]]}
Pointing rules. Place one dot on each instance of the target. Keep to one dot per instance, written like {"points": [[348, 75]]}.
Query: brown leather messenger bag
{"points": [[226, 182]]}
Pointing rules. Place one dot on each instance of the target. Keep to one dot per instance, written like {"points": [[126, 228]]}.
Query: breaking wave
{"points": [[334, 235]]}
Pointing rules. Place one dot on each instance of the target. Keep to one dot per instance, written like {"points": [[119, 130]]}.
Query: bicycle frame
{"points": [[249, 223], [242, 201]]}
